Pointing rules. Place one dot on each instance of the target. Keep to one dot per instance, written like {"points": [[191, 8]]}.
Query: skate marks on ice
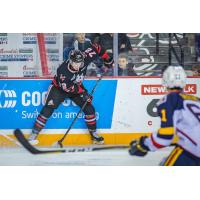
{"points": [[119, 157]]}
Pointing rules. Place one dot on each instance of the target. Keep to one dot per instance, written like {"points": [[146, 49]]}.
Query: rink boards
{"points": [[125, 109]]}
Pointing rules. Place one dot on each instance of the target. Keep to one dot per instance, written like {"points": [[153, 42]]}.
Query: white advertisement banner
{"points": [[135, 110], [19, 54]]}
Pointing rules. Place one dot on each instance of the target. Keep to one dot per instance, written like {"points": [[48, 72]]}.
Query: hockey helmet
{"points": [[174, 77], [76, 56]]}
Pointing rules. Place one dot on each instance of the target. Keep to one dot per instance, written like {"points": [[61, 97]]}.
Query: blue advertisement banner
{"points": [[22, 100]]}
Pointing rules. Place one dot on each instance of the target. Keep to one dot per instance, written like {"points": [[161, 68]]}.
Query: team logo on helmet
{"points": [[76, 56], [174, 77]]}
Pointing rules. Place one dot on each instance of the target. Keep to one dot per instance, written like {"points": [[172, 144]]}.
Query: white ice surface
{"points": [[119, 157]]}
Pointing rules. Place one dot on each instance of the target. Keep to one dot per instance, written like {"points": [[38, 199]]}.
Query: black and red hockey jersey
{"points": [[71, 82]]}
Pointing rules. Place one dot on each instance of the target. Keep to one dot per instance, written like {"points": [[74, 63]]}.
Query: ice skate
{"points": [[32, 139], [96, 139]]}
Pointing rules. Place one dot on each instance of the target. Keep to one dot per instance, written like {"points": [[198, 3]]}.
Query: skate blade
{"points": [[100, 143]]}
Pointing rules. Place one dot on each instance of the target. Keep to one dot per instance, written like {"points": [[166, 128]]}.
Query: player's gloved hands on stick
{"points": [[86, 97], [138, 148]]}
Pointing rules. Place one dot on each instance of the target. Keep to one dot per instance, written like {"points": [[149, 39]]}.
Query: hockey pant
{"points": [[55, 96], [181, 157]]}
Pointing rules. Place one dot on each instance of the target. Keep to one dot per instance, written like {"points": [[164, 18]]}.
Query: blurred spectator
{"points": [[94, 71], [124, 45], [68, 39], [94, 37], [78, 41], [81, 42], [197, 46], [190, 42], [196, 70], [124, 67], [106, 41]]}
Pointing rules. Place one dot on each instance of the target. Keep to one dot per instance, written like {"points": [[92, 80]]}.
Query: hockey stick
{"points": [[92, 148], [59, 142], [24, 142]]}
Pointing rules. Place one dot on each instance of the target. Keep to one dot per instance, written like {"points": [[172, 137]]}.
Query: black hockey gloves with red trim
{"points": [[138, 148]]}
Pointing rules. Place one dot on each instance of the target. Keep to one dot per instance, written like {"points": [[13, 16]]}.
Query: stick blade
{"points": [[24, 142], [57, 144]]}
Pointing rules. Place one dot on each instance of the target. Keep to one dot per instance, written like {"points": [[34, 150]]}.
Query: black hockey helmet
{"points": [[76, 56]]}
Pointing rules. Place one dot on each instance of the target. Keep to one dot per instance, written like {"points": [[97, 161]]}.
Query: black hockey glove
{"points": [[138, 148], [109, 63], [86, 97]]}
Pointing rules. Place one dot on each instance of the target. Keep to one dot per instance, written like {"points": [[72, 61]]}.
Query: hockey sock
{"points": [[90, 121], [39, 124]]}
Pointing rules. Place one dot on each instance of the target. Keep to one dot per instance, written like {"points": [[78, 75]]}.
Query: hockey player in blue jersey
{"points": [[180, 115]]}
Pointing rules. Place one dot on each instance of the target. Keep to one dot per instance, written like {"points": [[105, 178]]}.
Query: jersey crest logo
{"points": [[51, 103], [79, 78]]}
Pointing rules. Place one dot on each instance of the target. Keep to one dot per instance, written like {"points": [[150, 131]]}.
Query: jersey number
{"points": [[164, 117], [90, 52]]}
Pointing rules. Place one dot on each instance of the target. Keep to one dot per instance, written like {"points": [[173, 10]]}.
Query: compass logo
{"points": [[6, 98]]}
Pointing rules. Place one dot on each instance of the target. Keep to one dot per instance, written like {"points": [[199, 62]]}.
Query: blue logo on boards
{"points": [[22, 100]]}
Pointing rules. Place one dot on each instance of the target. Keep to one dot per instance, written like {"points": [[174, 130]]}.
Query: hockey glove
{"points": [[138, 148], [86, 97], [109, 63]]}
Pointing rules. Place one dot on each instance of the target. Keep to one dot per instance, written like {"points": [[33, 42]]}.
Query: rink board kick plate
{"points": [[34, 150]]}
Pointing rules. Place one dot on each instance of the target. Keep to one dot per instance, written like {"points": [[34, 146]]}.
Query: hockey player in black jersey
{"points": [[67, 83]]}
